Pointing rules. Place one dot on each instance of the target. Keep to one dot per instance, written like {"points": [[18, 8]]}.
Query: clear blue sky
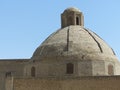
{"points": [[24, 24]]}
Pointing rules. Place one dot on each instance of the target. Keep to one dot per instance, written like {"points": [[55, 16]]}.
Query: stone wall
{"points": [[58, 68], [8, 83], [98, 68], [78, 83], [12, 67], [81, 68], [85, 68], [117, 69], [48, 68]]}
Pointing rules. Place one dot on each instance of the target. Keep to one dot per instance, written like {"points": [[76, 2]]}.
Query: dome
{"points": [[75, 51], [76, 42], [72, 9]]}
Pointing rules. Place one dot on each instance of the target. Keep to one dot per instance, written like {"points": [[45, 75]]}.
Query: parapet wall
{"points": [[78, 83]]}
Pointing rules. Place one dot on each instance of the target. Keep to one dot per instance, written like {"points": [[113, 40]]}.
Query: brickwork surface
{"points": [[79, 83]]}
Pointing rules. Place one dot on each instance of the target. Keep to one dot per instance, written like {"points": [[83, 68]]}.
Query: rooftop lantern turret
{"points": [[72, 16]]}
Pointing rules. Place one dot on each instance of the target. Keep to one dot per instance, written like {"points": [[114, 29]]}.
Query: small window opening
{"points": [[77, 21], [110, 70], [33, 71], [8, 74], [70, 68]]}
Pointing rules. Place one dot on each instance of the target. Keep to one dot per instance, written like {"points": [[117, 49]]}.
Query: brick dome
{"points": [[74, 41]]}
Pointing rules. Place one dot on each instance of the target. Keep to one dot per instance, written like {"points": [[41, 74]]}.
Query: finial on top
{"points": [[72, 9]]}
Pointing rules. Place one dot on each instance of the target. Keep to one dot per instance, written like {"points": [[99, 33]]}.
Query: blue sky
{"points": [[25, 24]]}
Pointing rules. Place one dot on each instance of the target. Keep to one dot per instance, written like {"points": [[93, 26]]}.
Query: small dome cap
{"points": [[72, 9]]}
